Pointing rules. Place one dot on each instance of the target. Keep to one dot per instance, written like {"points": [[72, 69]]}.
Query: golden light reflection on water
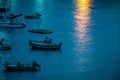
{"points": [[82, 19]]}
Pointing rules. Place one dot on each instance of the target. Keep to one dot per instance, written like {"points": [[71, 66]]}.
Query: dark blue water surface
{"points": [[88, 29]]}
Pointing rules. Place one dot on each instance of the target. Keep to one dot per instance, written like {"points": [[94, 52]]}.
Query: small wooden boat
{"points": [[21, 67], [5, 47], [45, 46], [40, 31], [36, 16]]}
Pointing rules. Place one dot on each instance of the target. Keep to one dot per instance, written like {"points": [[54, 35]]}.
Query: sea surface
{"points": [[88, 29]]}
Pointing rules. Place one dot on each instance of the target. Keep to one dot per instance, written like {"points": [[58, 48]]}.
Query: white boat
{"points": [[40, 31], [45, 46]]}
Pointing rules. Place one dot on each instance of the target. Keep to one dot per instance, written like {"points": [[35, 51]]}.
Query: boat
{"points": [[9, 22], [5, 47], [45, 46], [40, 31], [22, 67], [36, 16], [12, 25]]}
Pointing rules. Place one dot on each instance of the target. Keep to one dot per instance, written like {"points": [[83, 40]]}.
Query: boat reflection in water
{"points": [[83, 38]]}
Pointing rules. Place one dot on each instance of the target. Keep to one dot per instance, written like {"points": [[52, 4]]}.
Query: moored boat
{"points": [[5, 47], [22, 67], [9, 21], [12, 25], [40, 31], [46, 46]]}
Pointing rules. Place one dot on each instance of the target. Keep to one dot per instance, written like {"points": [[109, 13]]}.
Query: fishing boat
{"points": [[36, 16], [22, 67], [40, 31], [9, 22], [45, 46]]}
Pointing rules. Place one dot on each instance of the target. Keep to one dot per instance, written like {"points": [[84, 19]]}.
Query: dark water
{"points": [[89, 31]]}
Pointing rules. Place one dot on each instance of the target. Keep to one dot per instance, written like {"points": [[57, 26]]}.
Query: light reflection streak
{"points": [[38, 5], [82, 18], [13, 4]]}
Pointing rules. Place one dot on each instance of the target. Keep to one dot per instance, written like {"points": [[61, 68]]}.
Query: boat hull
{"points": [[5, 48], [7, 26], [32, 17], [40, 31], [46, 47], [21, 69]]}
